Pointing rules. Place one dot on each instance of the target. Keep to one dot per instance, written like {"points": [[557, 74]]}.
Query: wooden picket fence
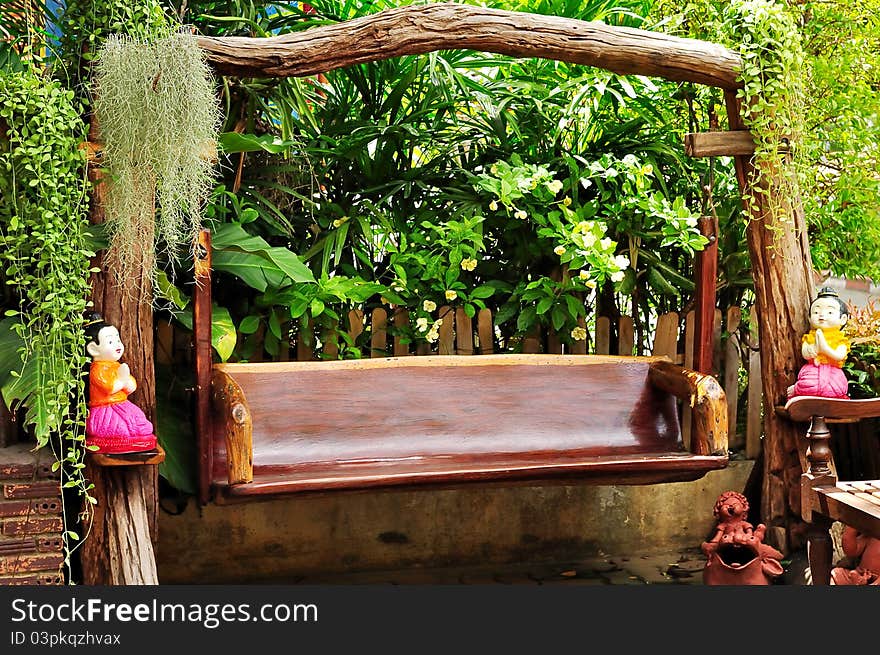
{"points": [[460, 334]]}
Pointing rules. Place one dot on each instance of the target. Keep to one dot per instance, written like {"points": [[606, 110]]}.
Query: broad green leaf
{"points": [[165, 289], [223, 335], [249, 324], [174, 428], [483, 291], [232, 142]]}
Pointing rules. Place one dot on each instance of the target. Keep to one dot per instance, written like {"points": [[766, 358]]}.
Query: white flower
{"points": [[630, 159], [579, 334], [555, 186], [621, 261], [606, 243], [590, 284], [422, 324], [559, 250], [566, 201], [583, 275], [429, 305], [468, 264], [451, 294], [617, 276], [520, 214], [589, 239], [493, 206]]}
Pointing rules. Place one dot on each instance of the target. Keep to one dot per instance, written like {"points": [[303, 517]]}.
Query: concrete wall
{"points": [[280, 540]]}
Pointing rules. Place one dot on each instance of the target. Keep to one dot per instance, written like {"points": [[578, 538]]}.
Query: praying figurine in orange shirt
{"points": [[115, 425], [825, 348]]}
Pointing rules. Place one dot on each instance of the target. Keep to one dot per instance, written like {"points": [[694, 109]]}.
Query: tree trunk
{"points": [[420, 29], [119, 548], [782, 269]]}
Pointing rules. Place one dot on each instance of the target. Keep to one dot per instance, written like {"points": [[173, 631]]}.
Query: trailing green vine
{"points": [[158, 118], [45, 262], [772, 95]]}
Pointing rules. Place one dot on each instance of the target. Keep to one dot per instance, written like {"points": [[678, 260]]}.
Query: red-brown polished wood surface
{"points": [[803, 408], [425, 420]]}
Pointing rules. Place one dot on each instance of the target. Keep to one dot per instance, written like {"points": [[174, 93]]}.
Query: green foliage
{"points": [[772, 95], [85, 24], [838, 110], [43, 222], [842, 108], [158, 122], [393, 180], [862, 366]]}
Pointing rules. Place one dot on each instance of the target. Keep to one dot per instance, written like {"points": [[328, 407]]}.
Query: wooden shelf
{"points": [[835, 410], [148, 457]]}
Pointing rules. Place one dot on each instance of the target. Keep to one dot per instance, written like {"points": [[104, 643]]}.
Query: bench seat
{"points": [[298, 427]]}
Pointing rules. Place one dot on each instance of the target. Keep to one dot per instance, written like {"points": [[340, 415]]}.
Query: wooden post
{"points": [[732, 361], [782, 271], [203, 359], [686, 411], [706, 270], [118, 549], [754, 428]]}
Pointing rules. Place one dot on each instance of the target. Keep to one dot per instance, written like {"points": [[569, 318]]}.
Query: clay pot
{"points": [[739, 564]]}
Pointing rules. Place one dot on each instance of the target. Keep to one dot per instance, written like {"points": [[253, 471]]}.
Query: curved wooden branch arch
{"points": [[420, 29]]}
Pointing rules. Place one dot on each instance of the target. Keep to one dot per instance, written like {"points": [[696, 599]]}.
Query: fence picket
{"points": [[330, 339], [626, 338], [732, 360], [379, 333], [485, 332], [690, 330], [464, 333], [532, 341], [754, 427], [446, 342], [603, 335], [666, 336], [400, 320]]}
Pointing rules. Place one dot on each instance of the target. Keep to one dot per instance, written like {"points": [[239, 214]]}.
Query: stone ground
{"points": [[675, 568]]}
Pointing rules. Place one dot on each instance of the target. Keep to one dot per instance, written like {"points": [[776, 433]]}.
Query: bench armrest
{"points": [[234, 418], [707, 401]]}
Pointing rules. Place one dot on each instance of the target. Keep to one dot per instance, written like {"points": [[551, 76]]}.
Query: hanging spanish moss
{"points": [[158, 119]]}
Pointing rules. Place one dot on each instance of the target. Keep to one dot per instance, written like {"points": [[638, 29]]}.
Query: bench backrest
{"points": [[307, 413]]}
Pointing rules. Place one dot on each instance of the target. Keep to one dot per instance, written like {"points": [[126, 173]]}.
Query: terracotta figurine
{"points": [[825, 348], [865, 551], [114, 424], [736, 553]]}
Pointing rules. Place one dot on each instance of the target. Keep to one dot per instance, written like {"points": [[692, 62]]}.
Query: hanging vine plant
{"points": [[158, 119], [43, 230], [772, 94]]}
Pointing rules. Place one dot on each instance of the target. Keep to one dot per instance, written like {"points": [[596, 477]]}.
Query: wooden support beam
{"points": [[731, 143], [706, 272], [419, 29]]}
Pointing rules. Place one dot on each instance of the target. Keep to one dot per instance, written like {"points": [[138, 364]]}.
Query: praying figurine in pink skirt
{"points": [[825, 348], [114, 424]]}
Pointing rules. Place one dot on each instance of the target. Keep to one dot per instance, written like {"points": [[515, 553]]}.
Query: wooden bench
{"points": [[269, 429], [824, 498]]}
